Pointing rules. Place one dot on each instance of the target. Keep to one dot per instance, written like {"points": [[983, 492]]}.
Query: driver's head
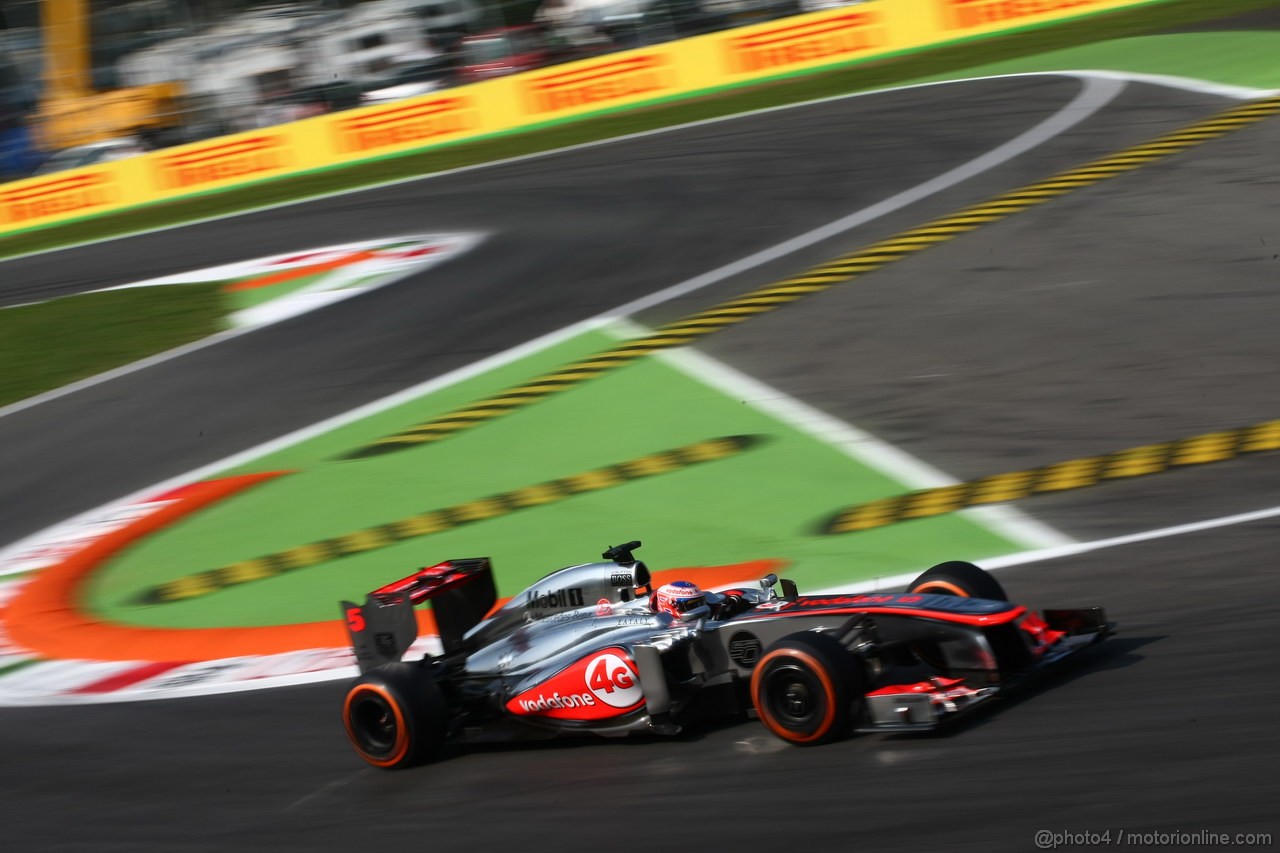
{"points": [[682, 599]]}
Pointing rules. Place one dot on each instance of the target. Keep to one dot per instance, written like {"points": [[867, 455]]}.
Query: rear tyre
{"points": [[395, 716], [959, 578], [807, 688]]}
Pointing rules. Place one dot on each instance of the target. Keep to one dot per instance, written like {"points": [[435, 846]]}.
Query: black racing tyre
{"points": [[959, 578], [395, 715], [807, 688]]}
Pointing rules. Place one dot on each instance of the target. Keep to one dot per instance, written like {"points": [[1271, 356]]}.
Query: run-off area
{"points": [[712, 467], [979, 357], [764, 500]]}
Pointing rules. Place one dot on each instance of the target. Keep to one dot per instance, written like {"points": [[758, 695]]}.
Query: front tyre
{"points": [[807, 688], [959, 578], [395, 716]]}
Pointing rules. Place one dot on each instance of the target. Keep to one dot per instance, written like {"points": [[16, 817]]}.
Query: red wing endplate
{"points": [[461, 593]]}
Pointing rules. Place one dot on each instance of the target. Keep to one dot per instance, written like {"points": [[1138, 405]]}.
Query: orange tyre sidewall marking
{"points": [[827, 685], [401, 746], [944, 587]]}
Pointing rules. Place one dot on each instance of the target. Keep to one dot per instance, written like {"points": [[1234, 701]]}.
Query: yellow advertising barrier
{"points": [[173, 172], [729, 58]]}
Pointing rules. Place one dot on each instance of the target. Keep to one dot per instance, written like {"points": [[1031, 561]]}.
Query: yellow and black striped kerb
{"points": [[440, 520], [1058, 477], [838, 271]]}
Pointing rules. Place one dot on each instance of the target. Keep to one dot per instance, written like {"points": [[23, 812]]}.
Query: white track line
{"points": [[12, 698], [893, 582], [817, 423], [855, 443], [1094, 95], [1190, 84], [459, 244], [1041, 555]]}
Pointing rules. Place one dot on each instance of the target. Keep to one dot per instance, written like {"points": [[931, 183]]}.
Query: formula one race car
{"points": [[592, 648]]}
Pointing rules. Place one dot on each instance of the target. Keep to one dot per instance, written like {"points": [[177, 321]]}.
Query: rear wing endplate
{"points": [[461, 592], [380, 630]]}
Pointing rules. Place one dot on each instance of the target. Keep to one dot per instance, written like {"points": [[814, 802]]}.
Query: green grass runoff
{"points": [[858, 77], [1223, 57], [54, 343], [707, 514]]}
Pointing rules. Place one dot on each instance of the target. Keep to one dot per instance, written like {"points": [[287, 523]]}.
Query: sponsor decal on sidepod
{"points": [[612, 688]]}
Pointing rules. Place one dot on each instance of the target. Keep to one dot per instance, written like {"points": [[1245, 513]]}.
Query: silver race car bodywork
{"points": [[583, 650]]}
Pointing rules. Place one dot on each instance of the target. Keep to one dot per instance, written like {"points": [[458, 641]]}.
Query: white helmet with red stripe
{"points": [[682, 599]]}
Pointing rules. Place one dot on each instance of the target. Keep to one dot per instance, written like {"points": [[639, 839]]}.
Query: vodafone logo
{"points": [[613, 681]]}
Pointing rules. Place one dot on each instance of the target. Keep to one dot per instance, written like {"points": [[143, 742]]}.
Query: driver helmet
{"points": [[682, 599]]}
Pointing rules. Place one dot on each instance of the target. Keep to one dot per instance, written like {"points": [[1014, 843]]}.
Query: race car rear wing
{"points": [[461, 593]]}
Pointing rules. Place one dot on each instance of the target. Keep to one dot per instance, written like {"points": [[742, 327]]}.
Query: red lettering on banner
{"points": [[781, 47], [598, 83], [56, 196], [965, 14], [210, 163], [400, 124]]}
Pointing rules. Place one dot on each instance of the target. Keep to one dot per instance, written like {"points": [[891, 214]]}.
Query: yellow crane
{"points": [[70, 112]]}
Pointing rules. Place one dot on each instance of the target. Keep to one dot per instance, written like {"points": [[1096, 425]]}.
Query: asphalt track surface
{"points": [[1169, 727]]}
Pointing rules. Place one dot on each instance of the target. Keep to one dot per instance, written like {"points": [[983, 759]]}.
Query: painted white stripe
{"points": [[1041, 555], [445, 244], [354, 280], [187, 349], [855, 443], [124, 370], [1171, 81], [451, 378], [1132, 538], [1187, 83], [41, 696], [54, 677], [834, 431], [1092, 97], [48, 697], [8, 590]]}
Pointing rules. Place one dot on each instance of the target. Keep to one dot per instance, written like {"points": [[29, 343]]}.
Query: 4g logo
{"points": [[613, 681]]}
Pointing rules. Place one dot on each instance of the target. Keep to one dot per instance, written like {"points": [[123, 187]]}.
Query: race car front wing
{"points": [[927, 704]]}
